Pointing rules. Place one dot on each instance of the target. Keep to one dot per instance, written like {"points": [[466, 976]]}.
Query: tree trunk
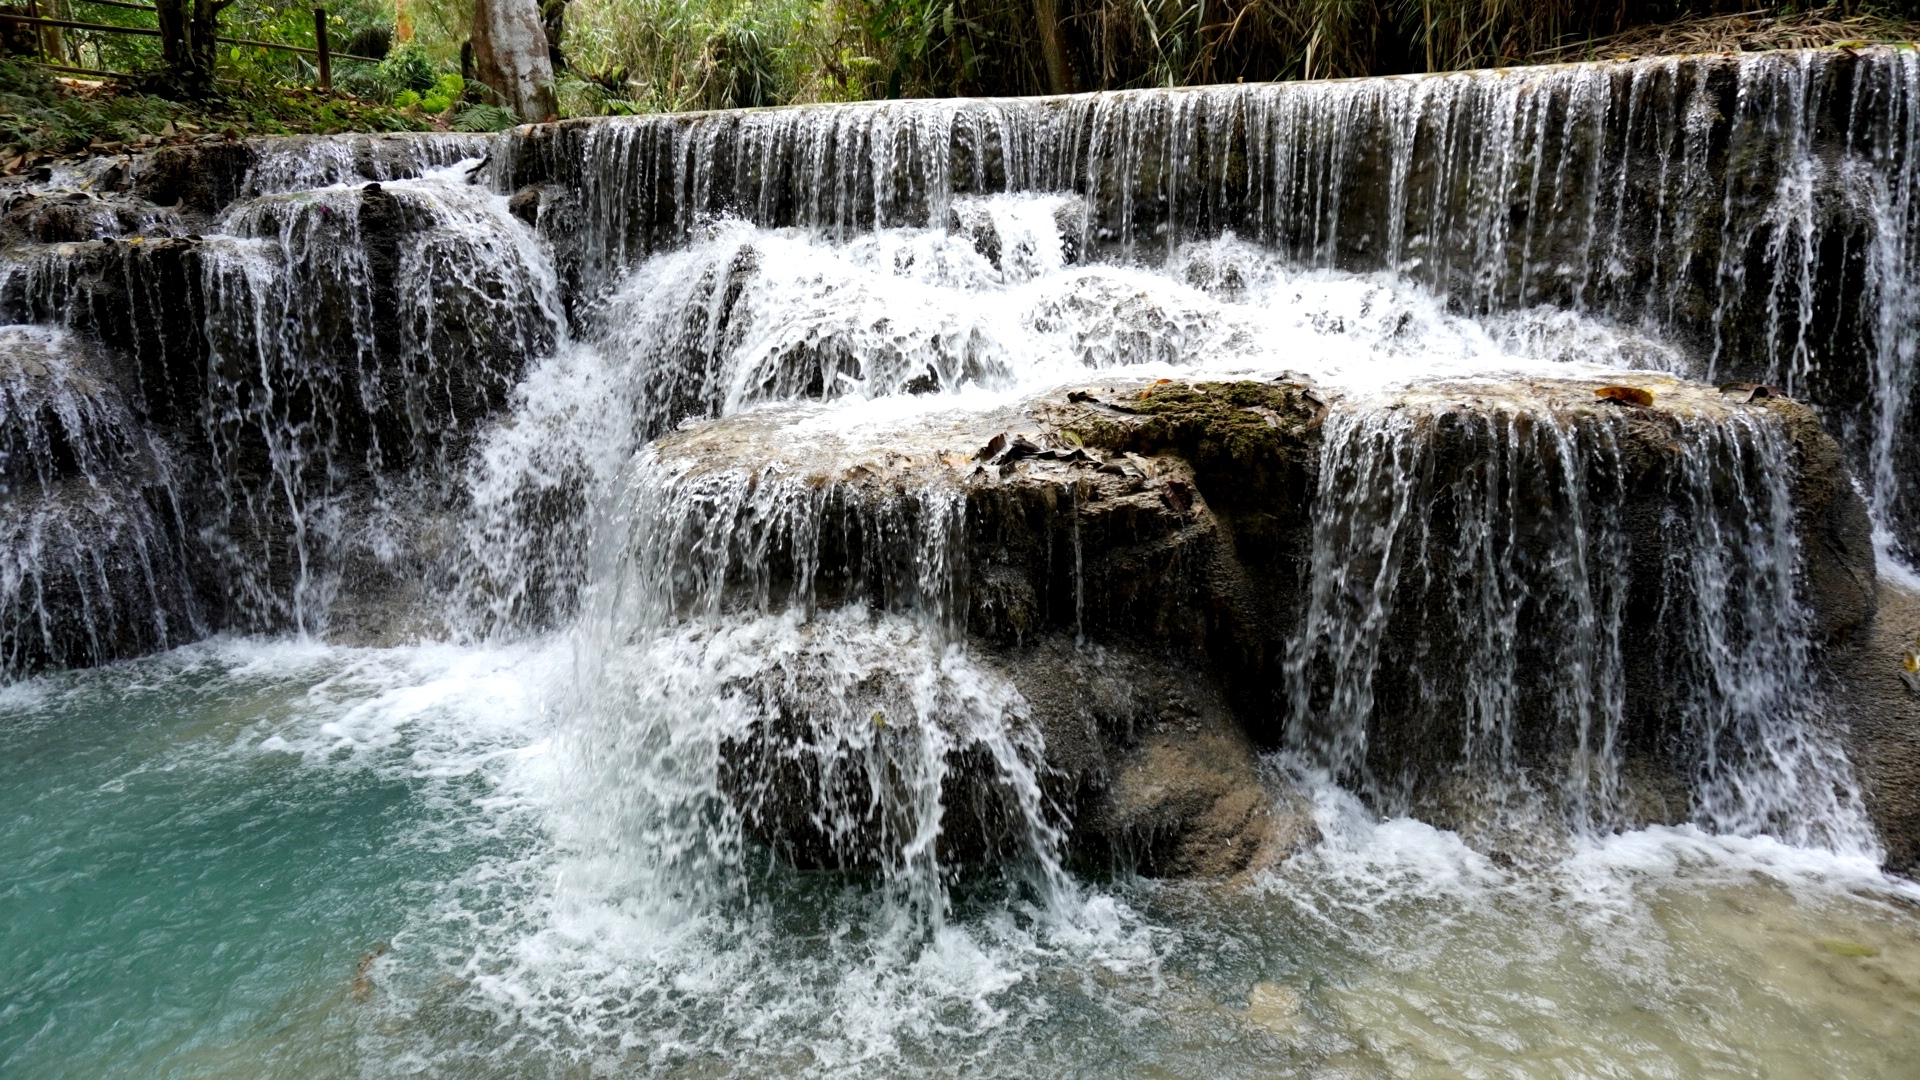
{"points": [[1053, 46], [187, 32], [510, 56]]}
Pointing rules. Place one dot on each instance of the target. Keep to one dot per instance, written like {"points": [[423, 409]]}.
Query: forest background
{"points": [[632, 56]]}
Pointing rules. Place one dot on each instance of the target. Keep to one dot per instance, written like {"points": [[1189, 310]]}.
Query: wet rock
{"points": [[199, 178], [1836, 535], [1136, 758], [141, 299], [1171, 522], [66, 217], [1153, 770], [1563, 573], [526, 204], [318, 357], [1882, 721]]}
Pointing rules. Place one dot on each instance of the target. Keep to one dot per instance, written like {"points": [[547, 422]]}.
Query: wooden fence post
{"points": [[320, 41]]}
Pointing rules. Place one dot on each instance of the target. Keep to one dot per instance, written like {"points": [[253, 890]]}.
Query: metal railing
{"points": [[323, 54]]}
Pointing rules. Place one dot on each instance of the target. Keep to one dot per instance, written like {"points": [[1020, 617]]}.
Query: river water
{"points": [[275, 858]]}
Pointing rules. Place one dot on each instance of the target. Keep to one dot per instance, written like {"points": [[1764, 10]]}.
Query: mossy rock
{"points": [[1254, 446]]}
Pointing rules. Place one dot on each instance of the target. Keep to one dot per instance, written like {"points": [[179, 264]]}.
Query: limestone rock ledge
{"points": [[1134, 556]]}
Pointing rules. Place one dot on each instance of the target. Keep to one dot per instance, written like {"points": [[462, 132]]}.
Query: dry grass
{"points": [[1747, 32]]}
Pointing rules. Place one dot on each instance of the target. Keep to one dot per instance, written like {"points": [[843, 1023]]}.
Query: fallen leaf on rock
{"points": [[1148, 392], [992, 449], [1178, 495], [1843, 947], [1625, 395]]}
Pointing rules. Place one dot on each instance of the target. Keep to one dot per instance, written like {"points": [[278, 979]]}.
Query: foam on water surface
{"points": [[427, 889], [769, 315]]}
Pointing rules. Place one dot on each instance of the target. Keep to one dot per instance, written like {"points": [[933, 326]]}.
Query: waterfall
{"points": [[1516, 593], [349, 330], [703, 388], [1755, 211], [326, 350], [95, 562], [766, 656]]}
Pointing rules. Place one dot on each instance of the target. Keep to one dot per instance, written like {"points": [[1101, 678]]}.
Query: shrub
{"points": [[407, 67], [446, 90]]}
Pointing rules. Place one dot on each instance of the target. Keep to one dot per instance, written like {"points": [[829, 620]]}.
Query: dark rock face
{"points": [[1155, 771], [1135, 760], [314, 358], [200, 178]]}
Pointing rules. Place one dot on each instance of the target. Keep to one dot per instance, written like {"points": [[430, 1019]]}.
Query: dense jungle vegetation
{"points": [[625, 56]]}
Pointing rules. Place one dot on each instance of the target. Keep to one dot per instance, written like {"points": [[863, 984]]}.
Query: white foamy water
{"points": [[745, 315], [1391, 947]]}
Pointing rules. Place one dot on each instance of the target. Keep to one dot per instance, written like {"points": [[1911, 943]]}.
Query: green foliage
{"points": [[445, 91], [485, 118], [408, 67], [41, 116], [629, 56], [691, 54]]}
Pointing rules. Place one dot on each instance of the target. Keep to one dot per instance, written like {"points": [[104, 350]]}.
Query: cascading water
{"points": [[1758, 213], [839, 605], [1481, 600], [349, 330], [325, 351], [95, 565]]}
